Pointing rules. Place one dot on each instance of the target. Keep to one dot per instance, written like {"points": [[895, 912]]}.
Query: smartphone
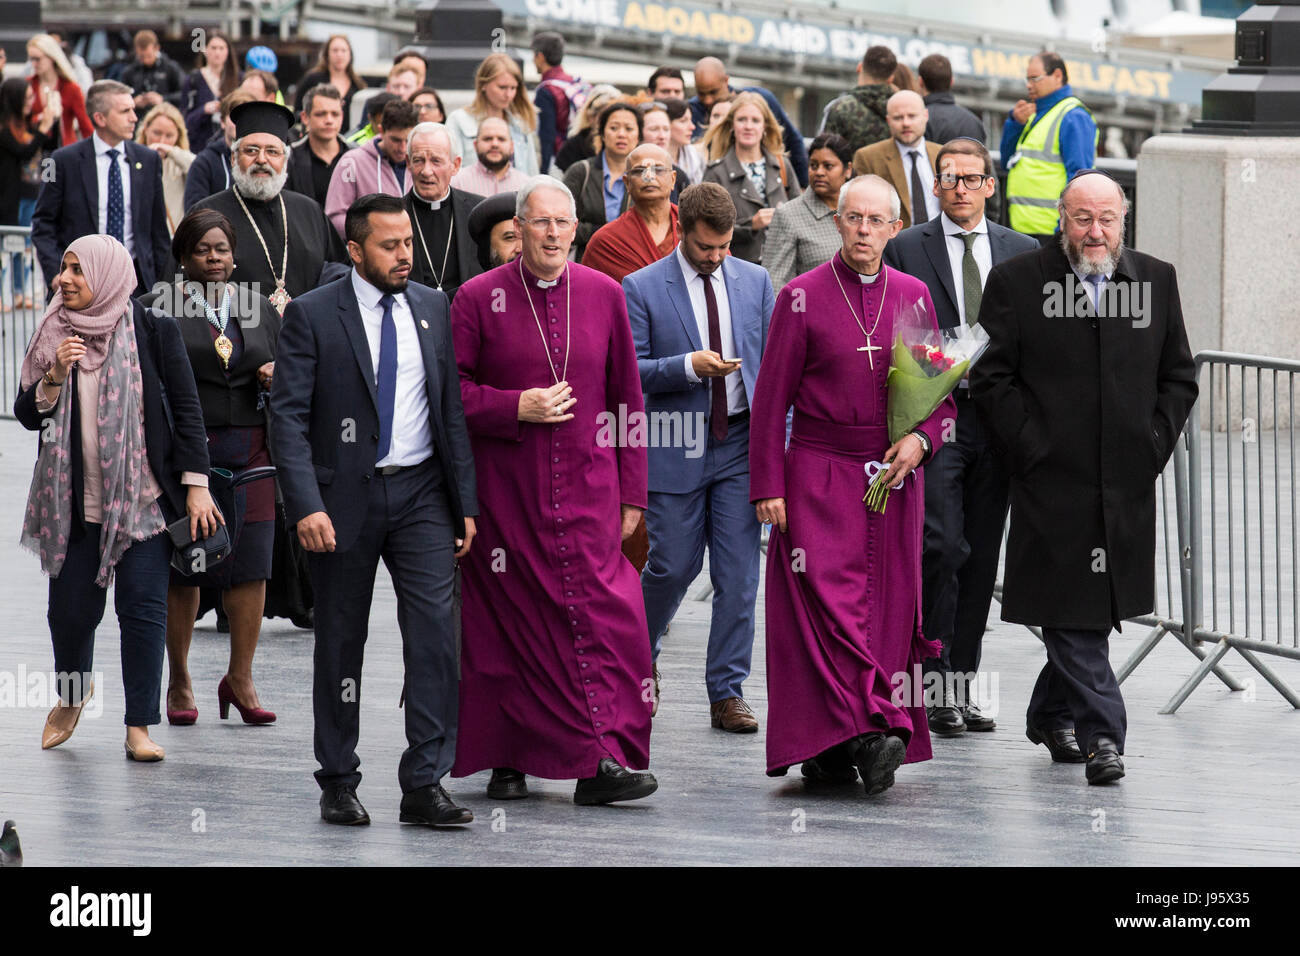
{"points": [[732, 361]]}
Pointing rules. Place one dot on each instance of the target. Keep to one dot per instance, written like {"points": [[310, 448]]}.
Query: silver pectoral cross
{"points": [[869, 349]]}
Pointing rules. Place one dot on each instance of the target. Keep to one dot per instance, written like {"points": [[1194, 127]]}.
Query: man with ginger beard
{"points": [[555, 660], [266, 216], [373, 351], [445, 252], [1086, 384]]}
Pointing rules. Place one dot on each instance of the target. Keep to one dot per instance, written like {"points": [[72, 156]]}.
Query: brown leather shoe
{"points": [[734, 716]]}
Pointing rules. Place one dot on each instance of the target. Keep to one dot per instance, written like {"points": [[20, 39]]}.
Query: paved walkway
{"points": [[1214, 784]]}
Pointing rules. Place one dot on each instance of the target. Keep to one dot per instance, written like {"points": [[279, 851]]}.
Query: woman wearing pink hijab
{"points": [[101, 379]]}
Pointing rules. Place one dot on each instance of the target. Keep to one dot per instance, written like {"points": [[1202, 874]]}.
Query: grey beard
{"points": [[257, 188], [1083, 266]]}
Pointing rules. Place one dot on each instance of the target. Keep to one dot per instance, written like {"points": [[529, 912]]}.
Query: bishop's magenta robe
{"points": [[554, 658], [843, 586]]}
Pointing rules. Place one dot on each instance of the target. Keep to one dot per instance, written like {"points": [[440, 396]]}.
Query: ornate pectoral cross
{"points": [[870, 349]]}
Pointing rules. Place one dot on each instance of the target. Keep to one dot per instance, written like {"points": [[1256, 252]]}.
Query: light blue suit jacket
{"points": [[664, 331]]}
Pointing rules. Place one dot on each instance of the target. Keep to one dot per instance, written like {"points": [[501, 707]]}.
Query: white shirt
{"points": [[101, 173], [956, 246], [1092, 290], [924, 171], [736, 400], [412, 439]]}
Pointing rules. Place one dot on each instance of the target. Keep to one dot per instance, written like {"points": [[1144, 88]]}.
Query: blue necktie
{"points": [[1096, 282], [386, 386], [116, 204]]}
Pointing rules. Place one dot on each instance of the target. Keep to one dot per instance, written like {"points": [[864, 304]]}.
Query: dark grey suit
{"points": [[966, 480], [325, 443]]}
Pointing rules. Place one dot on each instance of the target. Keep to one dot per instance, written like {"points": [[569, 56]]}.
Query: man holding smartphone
{"points": [[699, 323]]}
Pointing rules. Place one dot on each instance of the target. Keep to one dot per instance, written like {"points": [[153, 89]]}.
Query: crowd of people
{"points": [[385, 317]]}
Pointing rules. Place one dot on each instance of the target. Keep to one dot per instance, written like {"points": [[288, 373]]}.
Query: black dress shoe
{"points": [[1104, 763], [974, 720], [613, 783], [1064, 748], [339, 804], [876, 756], [431, 806], [945, 719], [830, 768], [507, 784]]}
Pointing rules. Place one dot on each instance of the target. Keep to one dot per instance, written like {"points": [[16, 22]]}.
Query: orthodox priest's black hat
{"points": [[260, 117], [483, 217]]}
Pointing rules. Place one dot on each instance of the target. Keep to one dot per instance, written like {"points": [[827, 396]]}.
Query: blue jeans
{"points": [[19, 265], [140, 599]]}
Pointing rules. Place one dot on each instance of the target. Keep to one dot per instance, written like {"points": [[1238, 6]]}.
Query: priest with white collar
{"points": [[445, 254]]}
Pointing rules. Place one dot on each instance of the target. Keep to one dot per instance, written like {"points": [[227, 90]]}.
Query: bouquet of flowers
{"points": [[925, 366]]}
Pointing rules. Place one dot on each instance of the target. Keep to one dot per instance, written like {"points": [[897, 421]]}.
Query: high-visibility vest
{"points": [[1036, 173]]}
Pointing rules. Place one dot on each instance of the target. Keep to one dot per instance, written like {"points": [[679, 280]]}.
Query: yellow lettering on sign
{"points": [[1161, 80], [1124, 81], [720, 27], [742, 30], [678, 20], [1106, 75], [634, 17], [997, 63]]}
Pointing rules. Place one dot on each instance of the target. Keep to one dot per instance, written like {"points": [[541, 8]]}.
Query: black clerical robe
{"points": [[312, 240], [450, 218]]}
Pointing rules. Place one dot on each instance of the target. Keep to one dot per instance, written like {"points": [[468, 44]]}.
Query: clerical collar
{"points": [[543, 284], [864, 279], [434, 204]]}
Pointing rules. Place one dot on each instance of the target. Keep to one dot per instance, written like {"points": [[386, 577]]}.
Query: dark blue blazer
{"points": [[174, 446], [921, 251], [325, 411], [67, 208]]}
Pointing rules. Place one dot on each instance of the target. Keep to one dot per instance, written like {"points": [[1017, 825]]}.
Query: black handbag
{"points": [[197, 555]]}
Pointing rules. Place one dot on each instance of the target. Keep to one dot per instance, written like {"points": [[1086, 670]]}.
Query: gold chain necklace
{"points": [[868, 348], [568, 312], [279, 298]]}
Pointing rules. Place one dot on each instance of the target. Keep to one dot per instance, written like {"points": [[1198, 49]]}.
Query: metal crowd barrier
{"points": [[19, 280], [1242, 531]]}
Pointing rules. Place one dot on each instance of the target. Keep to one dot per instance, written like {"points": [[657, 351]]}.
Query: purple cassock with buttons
{"points": [[554, 660], [843, 597]]}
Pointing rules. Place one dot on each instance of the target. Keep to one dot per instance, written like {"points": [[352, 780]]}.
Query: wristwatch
{"points": [[925, 444], [49, 380]]}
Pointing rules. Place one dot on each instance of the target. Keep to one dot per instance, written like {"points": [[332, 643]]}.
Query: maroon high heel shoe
{"points": [[251, 715], [182, 718]]}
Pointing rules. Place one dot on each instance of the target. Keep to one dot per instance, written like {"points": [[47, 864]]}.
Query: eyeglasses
{"points": [[252, 152], [650, 172], [544, 223], [970, 180], [1085, 222], [875, 222], [1036, 79]]}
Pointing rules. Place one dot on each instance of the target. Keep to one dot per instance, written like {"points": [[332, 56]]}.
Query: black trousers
{"points": [[1077, 688], [140, 599], [408, 527], [965, 511]]}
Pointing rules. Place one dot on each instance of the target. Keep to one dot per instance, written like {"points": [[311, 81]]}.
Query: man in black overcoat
{"points": [[1086, 384]]}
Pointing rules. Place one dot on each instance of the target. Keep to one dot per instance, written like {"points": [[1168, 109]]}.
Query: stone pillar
{"points": [[454, 36]]}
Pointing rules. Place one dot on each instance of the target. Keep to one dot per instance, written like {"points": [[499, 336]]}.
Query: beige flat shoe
{"points": [[52, 736], [147, 752]]}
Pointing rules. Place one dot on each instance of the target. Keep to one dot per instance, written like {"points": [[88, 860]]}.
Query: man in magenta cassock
{"points": [[555, 668], [843, 599]]}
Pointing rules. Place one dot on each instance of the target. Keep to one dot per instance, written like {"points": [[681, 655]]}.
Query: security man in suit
{"points": [[966, 481], [375, 462], [699, 322], [106, 185]]}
